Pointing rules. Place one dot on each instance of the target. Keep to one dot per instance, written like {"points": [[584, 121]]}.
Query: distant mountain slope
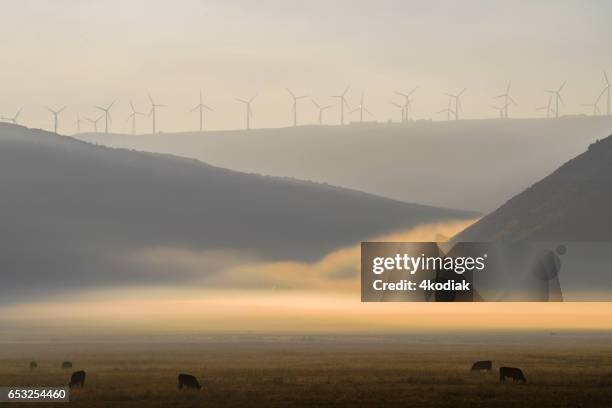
{"points": [[470, 164], [572, 204], [72, 213]]}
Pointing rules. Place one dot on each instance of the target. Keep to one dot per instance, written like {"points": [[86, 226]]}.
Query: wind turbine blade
{"points": [[290, 93], [402, 94], [111, 105], [61, 110], [512, 100], [370, 113], [397, 105], [241, 100], [18, 113], [132, 106], [101, 108], [162, 106], [209, 108], [561, 87], [606, 78], [355, 110], [346, 90], [508, 87], [253, 98], [194, 108], [151, 99], [413, 89], [462, 91], [315, 103]]}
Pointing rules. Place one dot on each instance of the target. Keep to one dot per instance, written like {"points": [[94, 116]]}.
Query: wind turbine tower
{"points": [[507, 100], [201, 108], [556, 94], [94, 122], [107, 116], [362, 108], [249, 111], [321, 110], [407, 103], [153, 111], [55, 116], [295, 102], [457, 99], [132, 116], [606, 90], [343, 103]]}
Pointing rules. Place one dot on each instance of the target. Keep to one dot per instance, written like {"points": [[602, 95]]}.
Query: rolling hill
{"points": [[571, 204], [76, 215], [469, 164]]}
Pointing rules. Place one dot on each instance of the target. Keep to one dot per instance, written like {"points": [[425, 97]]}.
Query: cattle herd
{"points": [[77, 379], [515, 374]]}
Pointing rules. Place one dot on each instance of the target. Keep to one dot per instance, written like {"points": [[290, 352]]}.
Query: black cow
{"points": [[188, 381], [511, 372], [67, 364], [33, 364], [77, 379], [485, 365]]}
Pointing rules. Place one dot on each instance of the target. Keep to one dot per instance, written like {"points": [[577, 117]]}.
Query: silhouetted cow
{"points": [[33, 364], [67, 364], [188, 381], [511, 372], [77, 379], [485, 365]]}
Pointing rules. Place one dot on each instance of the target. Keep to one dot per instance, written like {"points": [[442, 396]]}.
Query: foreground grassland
{"points": [[563, 370]]}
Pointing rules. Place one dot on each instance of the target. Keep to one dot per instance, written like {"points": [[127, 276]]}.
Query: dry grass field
{"points": [[419, 370]]}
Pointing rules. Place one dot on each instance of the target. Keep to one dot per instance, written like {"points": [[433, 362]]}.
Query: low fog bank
{"points": [[78, 216], [469, 164]]}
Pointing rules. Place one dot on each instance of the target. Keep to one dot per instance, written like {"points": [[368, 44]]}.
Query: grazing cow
{"points": [[485, 365], [189, 381], [77, 379], [33, 364], [511, 372], [67, 364]]}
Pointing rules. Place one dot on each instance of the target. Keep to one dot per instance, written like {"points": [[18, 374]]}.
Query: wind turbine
{"points": [[557, 95], [448, 110], [362, 108], [594, 105], [107, 116], [402, 109], [457, 99], [343, 103], [407, 103], [132, 116], [201, 108], [295, 101], [606, 90], [55, 116], [14, 118], [94, 122], [153, 110], [249, 112], [507, 100], [78, 123], [321, 110]]}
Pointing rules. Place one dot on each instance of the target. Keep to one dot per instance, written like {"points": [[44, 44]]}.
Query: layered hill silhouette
{"points": [[573, 203], [73, 213], [469, 164]]}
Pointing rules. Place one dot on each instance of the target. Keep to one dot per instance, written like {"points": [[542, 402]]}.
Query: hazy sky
{"points": [[83, 53]]}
